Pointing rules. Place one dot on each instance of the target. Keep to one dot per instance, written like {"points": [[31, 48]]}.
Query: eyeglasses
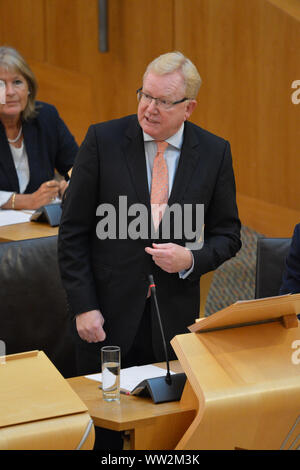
{"points": [[162, 104]]}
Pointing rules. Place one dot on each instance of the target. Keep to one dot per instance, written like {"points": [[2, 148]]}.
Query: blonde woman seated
{"points": [[34, 141]]}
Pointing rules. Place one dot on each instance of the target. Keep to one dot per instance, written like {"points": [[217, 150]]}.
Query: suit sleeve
{"points": [[222, 224], [291, 276], [77, 225], [67, 147]]}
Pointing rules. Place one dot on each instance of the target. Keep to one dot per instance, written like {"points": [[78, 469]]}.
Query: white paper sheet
{"points": [[132, 376], [9, 217]]}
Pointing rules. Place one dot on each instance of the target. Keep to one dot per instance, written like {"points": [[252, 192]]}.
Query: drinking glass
{"points": [[110, 361]]}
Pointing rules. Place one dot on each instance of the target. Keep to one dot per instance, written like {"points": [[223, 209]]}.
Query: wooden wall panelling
{"points": [[138, 31], [226, 101], [22, 27], [279, 119], [291, 7], [248, 56], [267, 219], [70, 92], [60, 39], [247, 53]]}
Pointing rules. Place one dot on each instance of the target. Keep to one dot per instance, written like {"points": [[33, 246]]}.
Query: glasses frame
{"points": [[140, 94]]}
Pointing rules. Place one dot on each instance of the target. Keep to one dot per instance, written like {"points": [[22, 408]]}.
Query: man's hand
{"points": [[90, 326], [170, 257]]}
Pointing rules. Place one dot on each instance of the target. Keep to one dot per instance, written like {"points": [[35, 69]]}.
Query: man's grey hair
{"points": [[172, 61]]}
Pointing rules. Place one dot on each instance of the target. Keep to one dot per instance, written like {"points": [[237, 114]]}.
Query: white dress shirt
{"points": [[22, 168], [171, 155]]}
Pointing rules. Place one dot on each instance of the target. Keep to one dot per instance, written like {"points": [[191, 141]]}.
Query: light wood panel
{"points": [[138, 31], [148, 423], [268, 219], [291, 7], [246, 384], [26, 231], [63, 34], [39, 410], [70, 92], [22, 27], [248, 56]]}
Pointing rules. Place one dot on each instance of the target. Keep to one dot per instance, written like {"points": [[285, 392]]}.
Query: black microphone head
{"points": [[151, 280]]}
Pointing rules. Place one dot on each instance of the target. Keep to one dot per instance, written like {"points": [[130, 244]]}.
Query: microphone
{"points": [[161, 389], [153, 293]]}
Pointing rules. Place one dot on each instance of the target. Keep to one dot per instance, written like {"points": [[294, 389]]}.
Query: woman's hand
{"points": [[62, 187], [46, 193]]}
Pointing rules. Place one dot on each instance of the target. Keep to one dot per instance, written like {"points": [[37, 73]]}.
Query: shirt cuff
{"points": [[4, 197], [185, 273]]}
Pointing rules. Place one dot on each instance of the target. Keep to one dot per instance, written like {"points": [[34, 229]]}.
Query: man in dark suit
{"points": [[291, 276], [106, 274]]}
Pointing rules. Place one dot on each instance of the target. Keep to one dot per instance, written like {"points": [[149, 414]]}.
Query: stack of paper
{"points": [[132, 376], [9, 217]]}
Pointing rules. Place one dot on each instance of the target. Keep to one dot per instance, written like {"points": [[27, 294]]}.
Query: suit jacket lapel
{"points": [[134, 151], [187, 164], [7, 162], [31, 143], [135, 156]]}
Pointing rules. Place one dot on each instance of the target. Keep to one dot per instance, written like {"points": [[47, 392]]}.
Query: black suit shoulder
{"points": [[213, 150], [44, 112], [130, 125], [206, 137], [116, 126]]}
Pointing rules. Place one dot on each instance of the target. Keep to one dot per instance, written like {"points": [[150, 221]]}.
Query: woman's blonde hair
{"points": [[11, 60], [172, 61]]}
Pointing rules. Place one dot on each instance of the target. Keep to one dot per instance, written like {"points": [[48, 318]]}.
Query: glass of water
{"points": [[110, 361]]}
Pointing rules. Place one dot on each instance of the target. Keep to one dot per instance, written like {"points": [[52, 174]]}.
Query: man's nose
{"points": [[152, 106]]}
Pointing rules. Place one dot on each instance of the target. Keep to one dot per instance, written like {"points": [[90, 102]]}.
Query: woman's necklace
{"points": [[13, 141]]}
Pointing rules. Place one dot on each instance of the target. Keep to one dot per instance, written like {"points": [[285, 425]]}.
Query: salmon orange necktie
{"points": [[160, 185]]}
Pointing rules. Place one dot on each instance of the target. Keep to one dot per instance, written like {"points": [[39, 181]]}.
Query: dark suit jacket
{"points": [[112, 274], [49, 145], [291, 277]]}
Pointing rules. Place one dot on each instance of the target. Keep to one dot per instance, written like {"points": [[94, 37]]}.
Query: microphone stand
{"points": [[153, 293], [161, 389]]}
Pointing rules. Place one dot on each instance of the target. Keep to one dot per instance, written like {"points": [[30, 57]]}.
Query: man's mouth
{"points": [[151, 121]]}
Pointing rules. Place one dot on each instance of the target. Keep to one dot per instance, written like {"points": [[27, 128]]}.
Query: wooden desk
{"points": [[25, 231], [151, 426], [38, 409]]}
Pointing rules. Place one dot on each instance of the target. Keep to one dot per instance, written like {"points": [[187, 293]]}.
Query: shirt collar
{"points": [[175, 140]]}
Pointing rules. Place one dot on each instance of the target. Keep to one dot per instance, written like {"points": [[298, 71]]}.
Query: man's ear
{"points": [[191, 105]]}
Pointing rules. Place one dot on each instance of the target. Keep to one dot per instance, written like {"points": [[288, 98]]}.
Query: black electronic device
{"points": [[50, 213]]}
